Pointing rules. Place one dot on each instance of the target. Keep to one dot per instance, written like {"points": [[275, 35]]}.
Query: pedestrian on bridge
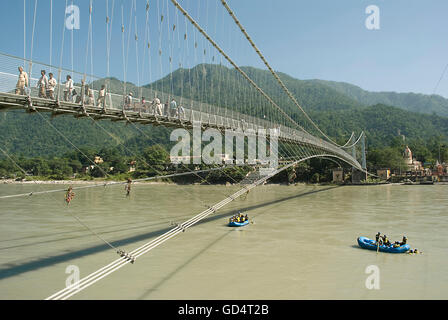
{"points": [[167, 108], [90, 96], [181, 111], [80, 97], [157, 106], [102, 97], [68, 91], [42, 84], [173, 107], [128, 101], [22, 82], [144, 106], [51, 86]]}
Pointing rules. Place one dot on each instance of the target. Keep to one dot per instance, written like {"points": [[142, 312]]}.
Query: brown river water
{"points": [[301, 244]]}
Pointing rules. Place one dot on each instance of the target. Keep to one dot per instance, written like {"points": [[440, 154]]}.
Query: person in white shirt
{"points": [[22, 82], [42, 84], [68, 89], [158, 106], [101, 101], [181, 112], [51, 86]]}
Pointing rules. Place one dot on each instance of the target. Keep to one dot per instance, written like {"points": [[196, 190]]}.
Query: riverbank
{"points": [[82, 182], [152, 182]]}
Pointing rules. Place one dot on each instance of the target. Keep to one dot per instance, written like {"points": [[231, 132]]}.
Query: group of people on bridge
{"points": [[156, 107], [47, 85]]}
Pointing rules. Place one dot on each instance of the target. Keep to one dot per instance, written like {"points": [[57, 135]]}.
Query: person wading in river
{"points": [[128, 187]]}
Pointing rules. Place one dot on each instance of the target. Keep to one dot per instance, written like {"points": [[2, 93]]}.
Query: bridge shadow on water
{"points": [[13, 269], [208, 246]]}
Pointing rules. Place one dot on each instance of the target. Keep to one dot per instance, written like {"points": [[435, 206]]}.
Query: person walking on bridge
{"points": [[22, 82], [102, 97], [80, 98], [42, 84], [173, 107], [158, 106], [90, 96], [51, 86], [68, 89], [180, 111], [166, 108], [128, 101]]}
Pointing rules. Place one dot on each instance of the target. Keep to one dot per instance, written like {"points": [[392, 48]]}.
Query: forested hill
{"points": [[416, 102], [222, 86], [336, 111]]}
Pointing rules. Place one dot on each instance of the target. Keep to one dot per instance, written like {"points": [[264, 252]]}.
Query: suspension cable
{"points": [[285, 89], [199, 28], [74, 216]]}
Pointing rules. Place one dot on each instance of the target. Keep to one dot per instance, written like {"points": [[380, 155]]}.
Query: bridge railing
{"points": [[114, 100], [187, 110]]}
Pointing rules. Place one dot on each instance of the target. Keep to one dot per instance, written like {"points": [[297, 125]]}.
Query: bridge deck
{"points": [[187, 119]]}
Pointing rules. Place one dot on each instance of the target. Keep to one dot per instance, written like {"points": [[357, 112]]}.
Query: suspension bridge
{"points": [[299, 137]]}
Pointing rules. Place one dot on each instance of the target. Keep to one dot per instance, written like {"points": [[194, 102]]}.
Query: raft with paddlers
{"points": [[238, 220], [370, 244], [238, 224]]}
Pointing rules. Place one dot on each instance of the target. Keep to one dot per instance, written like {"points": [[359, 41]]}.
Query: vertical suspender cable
{"points": [[122, 50], [91, 45], [51, 33], [89, 32], [71, 57], [129, 39], [136, 50], [24, 33], [62, 55], [107, 45], [32, 40], [145, 42], [108, 51]]}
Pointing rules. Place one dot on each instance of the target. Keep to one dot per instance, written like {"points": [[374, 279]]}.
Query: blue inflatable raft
{"points": [[370, 244], [238, 224]]}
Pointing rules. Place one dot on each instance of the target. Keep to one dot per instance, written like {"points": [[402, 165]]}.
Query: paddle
{"points": [[378, 245]]}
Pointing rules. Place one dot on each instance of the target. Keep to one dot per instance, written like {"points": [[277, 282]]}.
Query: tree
{"points": [[156, 156]]}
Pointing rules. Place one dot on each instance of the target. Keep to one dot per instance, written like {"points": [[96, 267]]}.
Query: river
{"points": [[301, 244]]}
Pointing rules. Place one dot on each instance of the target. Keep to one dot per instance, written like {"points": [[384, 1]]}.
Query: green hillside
{"points": [[415, 102], [337, 108]]}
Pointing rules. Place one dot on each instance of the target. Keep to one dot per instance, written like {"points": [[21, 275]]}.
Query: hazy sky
{"points": [[305, 39]]}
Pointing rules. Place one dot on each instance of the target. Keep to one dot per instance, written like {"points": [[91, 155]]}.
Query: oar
{"points": [[378, 245]]}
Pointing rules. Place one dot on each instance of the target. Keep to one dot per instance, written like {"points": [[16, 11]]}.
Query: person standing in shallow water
{"points": [[128, 187]]}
